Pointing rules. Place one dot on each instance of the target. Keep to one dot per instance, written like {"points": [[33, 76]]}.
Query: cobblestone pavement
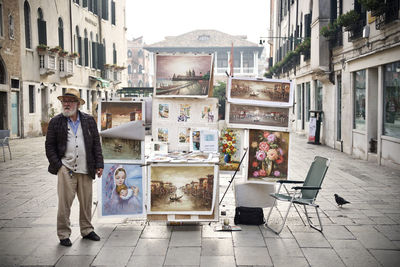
{"points": [[363, 233]]}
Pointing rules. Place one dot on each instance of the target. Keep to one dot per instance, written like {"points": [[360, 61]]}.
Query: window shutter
{"points": [[93, 55], [95, 5], [61, 37], [104, 9], [86, 47], [42, 32], [307, 22], [100, 49], [80, 50], [114, 56], [113, 12], [84, 3], [90, 5], [96, 59]]}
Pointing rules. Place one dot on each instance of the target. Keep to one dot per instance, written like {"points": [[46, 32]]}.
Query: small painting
{"points": [[184, 112], [268, 156], [121, 149], [121, 190], [184, 189], [162, 134], [163, 111], [115, 113], [195, 140], [229, 149], [262, 92], [183, 75], [159, 148], [249, 116], [207, 114], [184, 135]]}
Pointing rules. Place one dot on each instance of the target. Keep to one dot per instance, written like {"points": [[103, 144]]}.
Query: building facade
{"points": [[246, 54], [138, 64], [344, 57], [57, 45]]}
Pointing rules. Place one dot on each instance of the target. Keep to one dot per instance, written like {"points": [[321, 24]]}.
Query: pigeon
{"points": [[340, 201]]}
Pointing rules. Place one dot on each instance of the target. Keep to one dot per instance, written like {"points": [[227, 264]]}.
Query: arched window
{"points": [[129, 69], [86, 49], [140, 69], [60, 33], [129, 53], [27, 21], [78, 46], [41, 27]]}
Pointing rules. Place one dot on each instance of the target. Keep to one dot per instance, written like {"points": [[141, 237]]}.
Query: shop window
{"points": [[31, 99], [391, 98], [359, 100]]}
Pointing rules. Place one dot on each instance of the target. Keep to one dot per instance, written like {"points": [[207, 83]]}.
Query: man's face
{"points": [[69, 106]]}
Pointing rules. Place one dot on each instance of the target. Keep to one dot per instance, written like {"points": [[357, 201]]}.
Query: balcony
{"points": [[387, 14], [47, 62], [66, 67]]}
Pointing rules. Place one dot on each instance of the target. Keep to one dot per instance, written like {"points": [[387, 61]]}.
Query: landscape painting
{"points": [[183, 189], [248, 116], [268, 156], [263, 92], [183, 75], [163, 111], [162, 134], [121, 190], [116, 113], [121, 149], [184, 135]]}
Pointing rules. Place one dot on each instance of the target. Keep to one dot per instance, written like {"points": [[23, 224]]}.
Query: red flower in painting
{"points": [[279, 160], [254, 164], [263, 146]]}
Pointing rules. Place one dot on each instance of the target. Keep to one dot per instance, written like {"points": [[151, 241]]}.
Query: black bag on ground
{"points": [[249, 216]]}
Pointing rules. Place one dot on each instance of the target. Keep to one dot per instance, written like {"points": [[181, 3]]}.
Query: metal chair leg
{"points": [[9, 151], [270, 211], [283, 223], [311, 223], [301, 218], [4, 155]]}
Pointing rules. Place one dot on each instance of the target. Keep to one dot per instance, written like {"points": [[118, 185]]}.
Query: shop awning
{"points": [[103, 83]]}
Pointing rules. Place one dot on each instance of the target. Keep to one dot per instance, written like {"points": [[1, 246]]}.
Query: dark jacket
{"points": [[56, 143]]}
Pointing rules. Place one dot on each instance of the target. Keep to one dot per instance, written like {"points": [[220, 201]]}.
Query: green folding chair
{"points": [[304, 195]]}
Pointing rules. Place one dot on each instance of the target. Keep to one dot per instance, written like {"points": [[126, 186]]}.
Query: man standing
{"points": [[74, 153]]}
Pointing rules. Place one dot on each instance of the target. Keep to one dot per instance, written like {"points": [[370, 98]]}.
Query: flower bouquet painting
{"points": [[229, 148], [268, 156]]}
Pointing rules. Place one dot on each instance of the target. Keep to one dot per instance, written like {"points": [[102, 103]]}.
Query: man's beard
{"points": [[69, 113]]}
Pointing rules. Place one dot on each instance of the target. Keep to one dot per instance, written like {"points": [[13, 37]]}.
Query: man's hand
{"points": [[99, 172]]}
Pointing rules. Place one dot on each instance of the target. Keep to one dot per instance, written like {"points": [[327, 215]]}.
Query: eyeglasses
{"points": [[69, 101]]}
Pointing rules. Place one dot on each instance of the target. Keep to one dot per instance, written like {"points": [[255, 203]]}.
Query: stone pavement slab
{"points": [[363, 233]]}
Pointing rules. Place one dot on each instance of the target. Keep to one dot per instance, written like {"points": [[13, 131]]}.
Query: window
{"points": [[112, 12], [86, 49], [90, 5], [1, 19], [11, 27], [248, 62], [359, 100], [391, 98], [140, 69], [104, 9], [298, 101], [318, 95], [129, 69], [78, 47], [222, 60], [308, 100], [76, 1], [31, 99], [129, 53], [41, 27], [2, 73], [114, 54], [84, 3], [60, 33], [27, 21]]}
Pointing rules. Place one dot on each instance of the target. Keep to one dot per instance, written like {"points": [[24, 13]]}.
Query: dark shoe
{"points": [[92, 236], [65, 242]]}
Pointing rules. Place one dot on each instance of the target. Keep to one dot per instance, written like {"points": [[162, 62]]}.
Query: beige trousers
{"points": [[69, 185]]}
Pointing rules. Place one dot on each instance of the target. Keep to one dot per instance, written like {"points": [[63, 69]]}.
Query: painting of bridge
{"points": [[183, 75]]}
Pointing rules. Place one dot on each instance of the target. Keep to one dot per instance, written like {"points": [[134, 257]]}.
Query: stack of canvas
{"points": [[262, 106]]}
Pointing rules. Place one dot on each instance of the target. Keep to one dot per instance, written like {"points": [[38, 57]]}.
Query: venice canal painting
{"points": [[250, 90], [264, 116], [182, 189], [185, 75], [121, 149]]}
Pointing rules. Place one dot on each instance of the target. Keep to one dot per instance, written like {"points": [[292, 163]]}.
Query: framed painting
{"points": [[115, 113], [260, 92], [182, 188], [185, 75], [183, 135], [122, 150], [121, 191], [159, 148], [162, 134], [268, 156], [230, 147], [257, 117], [163, 111]]}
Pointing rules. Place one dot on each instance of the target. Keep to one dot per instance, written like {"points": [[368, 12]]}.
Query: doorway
{"points": [[15, 113]]}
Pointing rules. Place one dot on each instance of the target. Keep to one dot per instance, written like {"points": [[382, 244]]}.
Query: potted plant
{"points": [[330, 31], [45, 123], [377, 7], [42, 47], [62, 53], [74, 55], [349, 20], [55, 49]]}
